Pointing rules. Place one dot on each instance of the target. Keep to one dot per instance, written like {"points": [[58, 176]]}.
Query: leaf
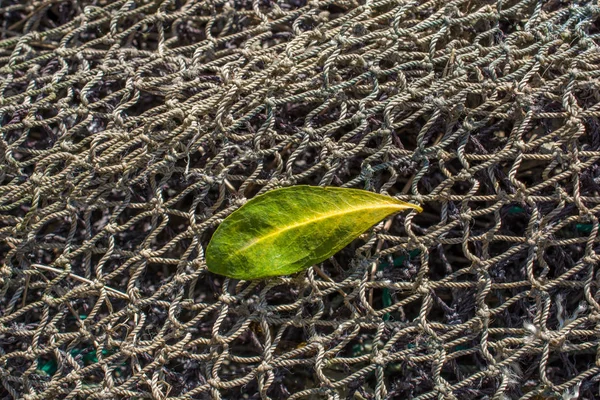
{"points": [[287, 230]]}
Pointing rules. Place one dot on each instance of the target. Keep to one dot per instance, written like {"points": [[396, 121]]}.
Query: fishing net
{"points": [[131, 128]]}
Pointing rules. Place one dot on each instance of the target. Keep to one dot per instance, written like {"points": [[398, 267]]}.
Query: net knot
{"points": [[219, 339], [264, 367], [340, 40], [111, 228], [239, 83], [5, 274], [49, 300], [286, 63], [269, 101], [380, 358], [556, 340], [367, 171], [484, 311], [422, 287], [594, 316], [132, 309], [418, 198], [146, 253], [62, 261], [533, 241], [493, 371], [71, 208], [466, 216], [180, 279], [36, 179], [227, 299], [28, 122], [444, 390], [359, 116], [317, 339], [97, 285], [440, 103], [214, 382], [238, 201], [309, 131], [128, 350], [519, 145]]}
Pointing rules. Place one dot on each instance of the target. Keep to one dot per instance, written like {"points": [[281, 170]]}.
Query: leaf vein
{"points": [[313, 220]]}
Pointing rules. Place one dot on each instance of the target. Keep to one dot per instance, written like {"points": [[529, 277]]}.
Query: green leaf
{"points": [[287, 230]]}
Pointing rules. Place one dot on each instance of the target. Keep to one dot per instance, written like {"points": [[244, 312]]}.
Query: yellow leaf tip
{"points": [[404, 205]]}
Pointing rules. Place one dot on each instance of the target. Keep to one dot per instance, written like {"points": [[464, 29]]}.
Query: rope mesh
{"points": [[131, 128]]}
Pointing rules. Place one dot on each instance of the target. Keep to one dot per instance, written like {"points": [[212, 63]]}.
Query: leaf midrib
{"points": [[275, 232]]}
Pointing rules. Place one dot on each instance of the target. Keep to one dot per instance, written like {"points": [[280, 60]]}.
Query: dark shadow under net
{"points": [[130, 129]]}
